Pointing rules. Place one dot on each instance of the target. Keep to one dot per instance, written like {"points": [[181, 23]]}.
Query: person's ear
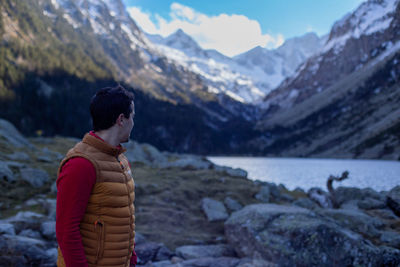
{"points": [[120, 120]]}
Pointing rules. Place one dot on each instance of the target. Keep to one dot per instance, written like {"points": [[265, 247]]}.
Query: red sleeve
{"points": [[74, 186], [133, 258]]}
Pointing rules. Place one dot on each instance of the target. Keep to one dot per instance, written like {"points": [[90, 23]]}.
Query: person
{"points": [[95, 222]]}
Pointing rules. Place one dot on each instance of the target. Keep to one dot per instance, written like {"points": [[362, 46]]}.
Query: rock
{"points": [[393, 200], [299, 190], [49, 156], [264, 194], [7, 228], [48, 230], [135, 153], [153, 155], [345, 194], [230, 171], [248, 262], [50, 205], [5, 173], [12, 136], [25, 220], [282, 187], [232, 204], [36, 177], [31, 202], [53, 188], [165, 263], [15, 165], [371, 203], [30, 233], [191, 162], [350, 205], [238, 172], [14, 260], [320, 196], [391, 238], [52, 254], [214, 209], [32, 249], [305, 203], [19, 156], [163, 254], [148, 251], [44, 158], [355, 220], [209, 262], [386, 214], [286, 197], [204, 251], [294, 236], [139, 238]]}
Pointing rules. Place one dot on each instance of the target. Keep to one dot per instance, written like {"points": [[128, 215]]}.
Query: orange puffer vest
{"points": [[108, 226]]}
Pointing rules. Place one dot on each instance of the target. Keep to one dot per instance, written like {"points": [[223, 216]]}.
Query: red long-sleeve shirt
{"points": [[74, 186]]}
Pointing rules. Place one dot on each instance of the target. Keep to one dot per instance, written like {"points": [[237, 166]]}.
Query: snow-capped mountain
{"points": [[354, 42], [248, 77], [344, 100]]}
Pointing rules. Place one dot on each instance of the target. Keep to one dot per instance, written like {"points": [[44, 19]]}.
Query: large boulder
{"points": [[204, 251], [294, 236], [214, 210], [393, 200], [355, 220], [12, 135]]}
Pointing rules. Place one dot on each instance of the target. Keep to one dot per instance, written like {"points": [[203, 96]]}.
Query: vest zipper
{"points": [[120, 163], [100, 239]]}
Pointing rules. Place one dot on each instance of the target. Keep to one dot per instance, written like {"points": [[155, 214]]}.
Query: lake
{"points": [[306, 173]]}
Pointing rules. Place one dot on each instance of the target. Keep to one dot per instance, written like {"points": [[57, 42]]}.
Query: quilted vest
{"points": [[108, 226]]}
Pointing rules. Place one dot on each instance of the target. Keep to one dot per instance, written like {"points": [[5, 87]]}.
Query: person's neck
{"points": [[109, 137]]}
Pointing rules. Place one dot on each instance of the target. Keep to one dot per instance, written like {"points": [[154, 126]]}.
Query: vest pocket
{"points": [[100, 231]]}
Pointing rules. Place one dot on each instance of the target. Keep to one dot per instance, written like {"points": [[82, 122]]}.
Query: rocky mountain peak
{"points": [[180, 40], [370, 17], [306, 44]]}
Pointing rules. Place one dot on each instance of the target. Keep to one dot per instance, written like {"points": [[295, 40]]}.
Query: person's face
{"points": [[128, 125]]}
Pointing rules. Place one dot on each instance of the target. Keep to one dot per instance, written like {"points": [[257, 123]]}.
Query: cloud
{"points": [[228, 34]]}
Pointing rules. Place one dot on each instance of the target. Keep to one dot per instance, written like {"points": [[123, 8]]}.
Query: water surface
{"points": [[306, 173]]}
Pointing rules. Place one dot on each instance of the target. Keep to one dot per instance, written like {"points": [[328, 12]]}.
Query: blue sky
{"points": [[235, 26]]}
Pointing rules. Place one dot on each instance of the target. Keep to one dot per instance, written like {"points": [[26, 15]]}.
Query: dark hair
{"points": [[107, 104]]}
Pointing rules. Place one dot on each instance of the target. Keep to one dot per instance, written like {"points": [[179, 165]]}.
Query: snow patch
{"points": [[71, 21], [48, 14], [294, 93], [55, 4]]}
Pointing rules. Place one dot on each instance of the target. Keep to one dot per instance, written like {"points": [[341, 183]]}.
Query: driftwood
{"points": [[332, 178]]}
